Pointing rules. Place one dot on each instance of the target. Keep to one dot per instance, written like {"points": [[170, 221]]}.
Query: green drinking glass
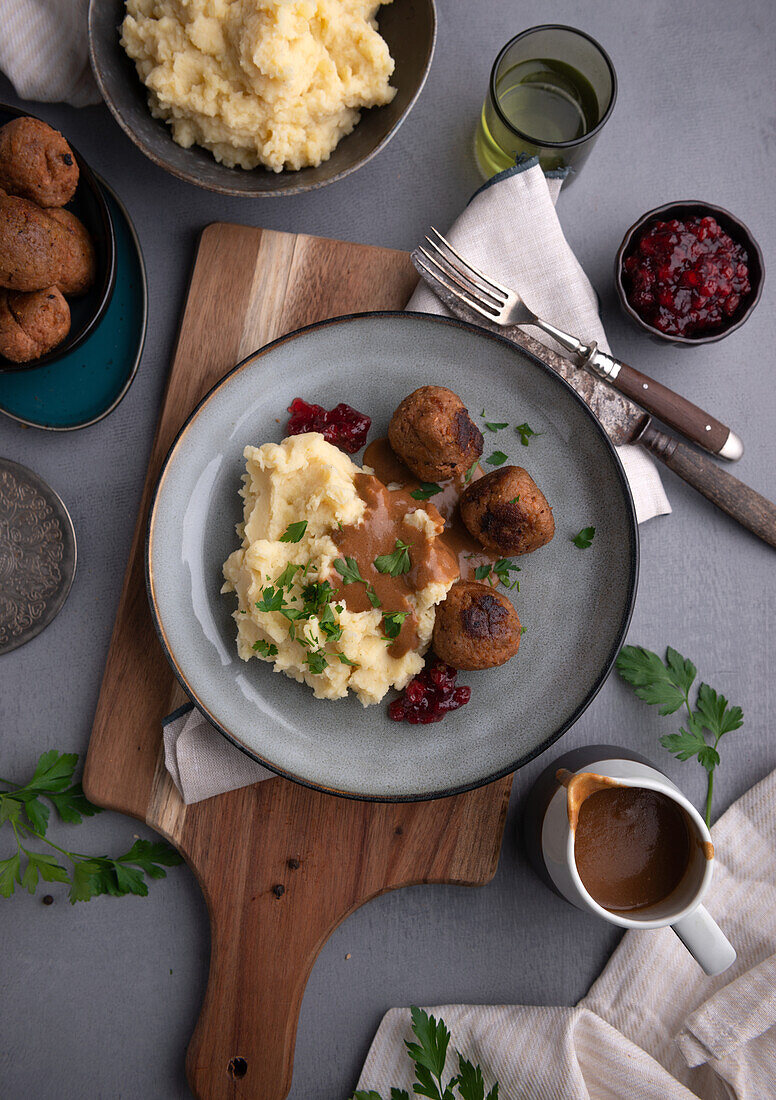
{"points": [[552, 89]]}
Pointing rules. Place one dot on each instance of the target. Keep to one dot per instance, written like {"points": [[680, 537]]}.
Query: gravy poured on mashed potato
{"points": [[294, 606], [270, 82]]}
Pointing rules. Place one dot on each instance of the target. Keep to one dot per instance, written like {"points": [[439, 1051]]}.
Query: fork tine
{"points": [[490, 283], [462, 277], [435, 277]]}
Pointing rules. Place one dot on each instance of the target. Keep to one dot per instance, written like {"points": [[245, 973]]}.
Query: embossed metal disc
{"points": [[37, 555]]}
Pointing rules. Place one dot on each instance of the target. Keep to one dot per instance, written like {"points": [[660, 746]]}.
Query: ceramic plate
{"points": [[88, 383], [575, 604]]}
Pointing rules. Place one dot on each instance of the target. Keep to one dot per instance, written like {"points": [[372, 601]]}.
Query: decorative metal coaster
{"points": [[37, 555]]}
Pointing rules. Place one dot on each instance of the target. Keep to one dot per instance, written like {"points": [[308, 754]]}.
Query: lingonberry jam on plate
{"points": [[342, 426], [686, 277], [429, 696]]}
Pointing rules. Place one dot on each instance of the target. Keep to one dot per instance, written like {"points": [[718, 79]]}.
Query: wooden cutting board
{"points": [[330, 854]]}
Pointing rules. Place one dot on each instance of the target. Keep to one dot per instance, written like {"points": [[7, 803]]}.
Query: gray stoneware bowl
{"points": [[575, 604], [409, 28], [88, 204]]}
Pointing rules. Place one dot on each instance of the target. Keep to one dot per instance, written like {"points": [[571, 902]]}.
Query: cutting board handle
{"points": [[285, 867]]}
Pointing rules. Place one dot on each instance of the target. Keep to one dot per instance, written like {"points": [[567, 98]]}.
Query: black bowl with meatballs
{"points": [[57, 246]]}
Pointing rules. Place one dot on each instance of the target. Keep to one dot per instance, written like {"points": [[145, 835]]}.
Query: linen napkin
{"points": [[653, 1026], [509, 228], [44, 51]]}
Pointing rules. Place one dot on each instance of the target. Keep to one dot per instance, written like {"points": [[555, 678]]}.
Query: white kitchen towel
{"points": [[44, 51], [510, 230], [653, 1026]]}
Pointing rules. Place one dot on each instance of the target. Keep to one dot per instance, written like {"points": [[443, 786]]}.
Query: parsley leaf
{"points": [[329, 625], [347, 661], [392, 622], [316, 662], [498, 458], [294, 531], [271, 599], [348, 570], [667, 685], [395, 563], [266, 649], [525, 431], [426, 489], [286, 578], [584, 538], [502, 569], [468, 475], [52, 780], [495, 427], [482, 571], [374, 599]]}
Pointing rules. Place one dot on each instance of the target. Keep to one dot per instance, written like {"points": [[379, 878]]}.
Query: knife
{"points": [[625, 422]]}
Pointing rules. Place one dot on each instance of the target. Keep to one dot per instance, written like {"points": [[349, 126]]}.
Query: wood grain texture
{"points": [[673, 409], [748, 507], [328, 854]]}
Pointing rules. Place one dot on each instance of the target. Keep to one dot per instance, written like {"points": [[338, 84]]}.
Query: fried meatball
{"points": [[433, 434], [80, 265], [32, 324], [507, 512], [37, 163], [475, 627], [33, 246]]}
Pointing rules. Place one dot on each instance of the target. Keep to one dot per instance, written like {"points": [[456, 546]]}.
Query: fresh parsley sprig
{"points": [[500, 570], [23, 809], [429, 1055], [667, 685], [426, 490], [526, 432]]}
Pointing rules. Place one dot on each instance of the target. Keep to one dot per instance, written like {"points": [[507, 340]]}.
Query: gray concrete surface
{"points": [[99, 1000]]}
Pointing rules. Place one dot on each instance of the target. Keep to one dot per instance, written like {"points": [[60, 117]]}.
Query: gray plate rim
{"points": [[633, 562]]}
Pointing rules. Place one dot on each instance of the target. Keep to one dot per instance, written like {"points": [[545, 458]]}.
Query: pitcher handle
{"points": [[705, 941]]}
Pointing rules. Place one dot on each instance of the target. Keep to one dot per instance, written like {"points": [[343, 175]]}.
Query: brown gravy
{"points": [[384, 522], [391, 470], [631, 845]]}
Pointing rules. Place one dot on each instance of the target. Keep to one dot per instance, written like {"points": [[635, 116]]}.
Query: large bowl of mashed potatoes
{"points": [[261, 97]]}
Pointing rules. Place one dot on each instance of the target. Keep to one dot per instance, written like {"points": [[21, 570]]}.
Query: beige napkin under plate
{"points": [[653, 1026], [510, 228], [44, 51]]}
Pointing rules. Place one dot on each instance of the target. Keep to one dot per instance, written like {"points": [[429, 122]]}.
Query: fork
{"points": [[441, 264]]}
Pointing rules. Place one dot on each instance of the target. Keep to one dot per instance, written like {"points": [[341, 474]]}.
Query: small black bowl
{"points": [[90, 206], [694, 208]]}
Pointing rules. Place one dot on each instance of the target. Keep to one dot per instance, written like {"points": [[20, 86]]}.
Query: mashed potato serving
{"points": [[306, 504], [259, 82]]}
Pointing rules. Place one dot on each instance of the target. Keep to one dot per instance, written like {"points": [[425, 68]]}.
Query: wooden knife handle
{"points": [[752, 510], [678, 413]]}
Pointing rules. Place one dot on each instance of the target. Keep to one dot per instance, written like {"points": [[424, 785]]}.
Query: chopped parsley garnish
{"points": [[294, 531], [316, 595], [316, 662], [329, 625], [501, 570], [514, 500], [495, 427], [346, 660], [374, 599], [392, 622], [266, 649], [271, 599], [482, 572], [498, 458], [525, 432], [468, 475], [349, 571], [286, 578], [427, 489], [584, 538], [395, 563]]}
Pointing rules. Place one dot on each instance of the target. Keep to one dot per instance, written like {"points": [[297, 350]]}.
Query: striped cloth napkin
{"points": [[653, 1026], [44, 51]]}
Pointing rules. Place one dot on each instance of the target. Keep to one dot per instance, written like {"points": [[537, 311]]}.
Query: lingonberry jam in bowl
{"points": [[689, 272]]}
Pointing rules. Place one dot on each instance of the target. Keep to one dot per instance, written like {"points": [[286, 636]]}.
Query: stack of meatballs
{"points": [[45, 251], [476, 627]]}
